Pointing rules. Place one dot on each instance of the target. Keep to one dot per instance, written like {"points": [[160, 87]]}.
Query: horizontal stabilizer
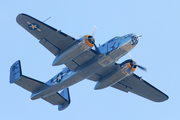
{"points": [[25, 82], [62, 99]]}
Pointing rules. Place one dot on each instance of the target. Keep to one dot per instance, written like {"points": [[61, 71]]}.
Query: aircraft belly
{"points": [[121, 51], [67, 81], [95, 65], [100, 62], [90, 70], [117, 54]]}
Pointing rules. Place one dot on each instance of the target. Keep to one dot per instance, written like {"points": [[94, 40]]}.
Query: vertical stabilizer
{"points": [[61, 99], [66, 96], [25, 82], [15, 72]]}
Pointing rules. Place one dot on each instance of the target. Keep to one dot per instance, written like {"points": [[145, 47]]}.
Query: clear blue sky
{"points": [[157, 21]]}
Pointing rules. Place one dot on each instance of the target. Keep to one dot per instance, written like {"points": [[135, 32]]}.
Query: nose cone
{"points": [[135, 39]]}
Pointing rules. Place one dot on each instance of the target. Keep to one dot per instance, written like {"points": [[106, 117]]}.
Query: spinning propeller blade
{"points": [[79, 36], [141, 67], [130, 55], [94, 30]]}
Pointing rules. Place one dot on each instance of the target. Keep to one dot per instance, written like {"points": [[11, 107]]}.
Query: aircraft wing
{"points": [[54, 40], [137, 85]]}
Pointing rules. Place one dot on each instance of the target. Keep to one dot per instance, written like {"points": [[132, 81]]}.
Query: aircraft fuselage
{"points": [[110, 52]]}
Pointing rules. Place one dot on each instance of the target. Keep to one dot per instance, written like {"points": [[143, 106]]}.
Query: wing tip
{"points": [[19, 16], [162, 99], [164, 96]]}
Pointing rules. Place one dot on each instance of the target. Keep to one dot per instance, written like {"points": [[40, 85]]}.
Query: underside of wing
{"points": [[102, 72], [81, 59], [54, 40], [137, 85]]}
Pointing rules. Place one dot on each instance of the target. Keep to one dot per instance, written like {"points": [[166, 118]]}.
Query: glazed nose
{"points": [[135, 39]]}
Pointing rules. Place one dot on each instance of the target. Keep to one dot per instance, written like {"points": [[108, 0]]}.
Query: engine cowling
{"points": [[123, 70], [89, 40], [132, 64], [75, 49]]}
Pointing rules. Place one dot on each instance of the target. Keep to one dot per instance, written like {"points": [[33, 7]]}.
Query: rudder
{"points": [[15, 72]]}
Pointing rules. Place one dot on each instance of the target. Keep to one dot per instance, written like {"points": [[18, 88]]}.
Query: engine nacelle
{"points": [[122, 71], [74, 50]]}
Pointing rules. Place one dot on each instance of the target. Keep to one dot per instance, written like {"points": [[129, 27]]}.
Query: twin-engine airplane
{"points": [[97, 64]]}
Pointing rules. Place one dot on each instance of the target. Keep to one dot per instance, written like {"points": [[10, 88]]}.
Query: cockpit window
{"points": [[122, 37], [116, 37]]}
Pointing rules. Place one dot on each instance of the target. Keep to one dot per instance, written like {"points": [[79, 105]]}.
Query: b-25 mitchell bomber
{"points": [[83, 61]]}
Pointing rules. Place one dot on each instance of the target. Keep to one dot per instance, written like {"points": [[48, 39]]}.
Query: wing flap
{"points": [[135, 84], [51, 47], [55, 41]]}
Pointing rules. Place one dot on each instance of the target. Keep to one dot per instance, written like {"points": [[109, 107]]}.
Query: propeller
{"points": [[94, 30], [92, 37], [79, 36], [130, 55], [142, 68], [139, 35], [134, 65], [92, 40]]}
